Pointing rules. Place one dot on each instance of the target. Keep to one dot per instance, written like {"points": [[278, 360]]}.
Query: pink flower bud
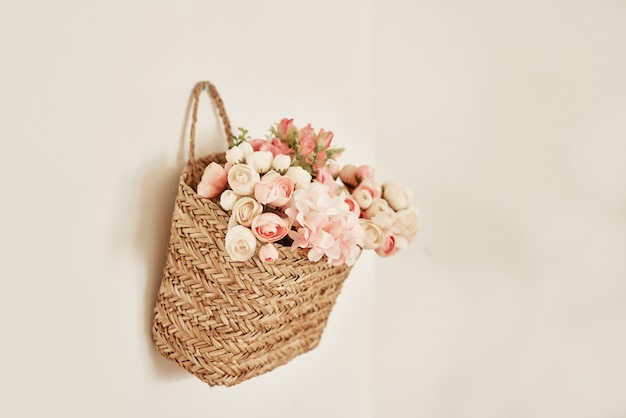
{"points": [[306, 140], [348, 175], [324, 138], [213, 181], [268, 253], [284, 127], [388, 247], [364, 172]]}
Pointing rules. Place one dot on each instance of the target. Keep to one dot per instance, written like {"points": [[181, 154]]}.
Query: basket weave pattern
{"points": [[227, 321]]}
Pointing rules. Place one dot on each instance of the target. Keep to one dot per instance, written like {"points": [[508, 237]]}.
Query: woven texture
{"points": [[227, 321]]}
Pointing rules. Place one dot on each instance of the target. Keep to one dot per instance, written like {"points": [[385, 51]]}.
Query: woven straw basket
{"points": [[227, 321]]}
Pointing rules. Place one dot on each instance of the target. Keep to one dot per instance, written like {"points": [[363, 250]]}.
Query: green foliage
{"points": [[242, 137]]}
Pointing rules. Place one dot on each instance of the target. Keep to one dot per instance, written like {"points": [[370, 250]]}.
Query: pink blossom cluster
{"points": [[326, 224], [287, 190], [310, 149], [388, 219]]}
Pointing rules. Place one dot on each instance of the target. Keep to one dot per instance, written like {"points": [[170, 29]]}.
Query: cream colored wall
{"points": [[92, 104], [506, 119], [509, 122]]}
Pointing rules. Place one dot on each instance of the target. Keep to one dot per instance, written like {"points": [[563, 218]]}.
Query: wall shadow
{"points": [[157, 189], [156, 195]]}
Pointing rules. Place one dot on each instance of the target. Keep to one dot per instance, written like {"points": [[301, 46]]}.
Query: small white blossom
{"points": [[246, 148], [234, 155], [281, 163], [298, 175], [261, 161], [228, 199]]}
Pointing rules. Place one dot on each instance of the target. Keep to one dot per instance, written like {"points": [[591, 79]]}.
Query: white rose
{"points": [[298, 175], [396, 195], [240, 243], [261, 161], [228, 199], [406, 223], [374, 236], [242, 178], [234, 155], [281, 163], [381, 214], [363, 198], [246, 148], [244, 211]]}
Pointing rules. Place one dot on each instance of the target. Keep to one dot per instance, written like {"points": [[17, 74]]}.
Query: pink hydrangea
{"points": [[325, 224]]}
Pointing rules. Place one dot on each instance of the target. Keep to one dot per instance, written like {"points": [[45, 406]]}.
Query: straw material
{"points": [[227, 321]]}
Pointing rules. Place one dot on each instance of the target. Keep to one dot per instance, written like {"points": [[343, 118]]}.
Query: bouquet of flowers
{"points": [[287, 189]]}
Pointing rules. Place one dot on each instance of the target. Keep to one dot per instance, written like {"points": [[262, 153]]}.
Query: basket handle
{"points": [[219, 103]]}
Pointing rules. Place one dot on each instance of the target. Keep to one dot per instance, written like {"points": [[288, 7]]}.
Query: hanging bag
{"points": [[226, 321]]}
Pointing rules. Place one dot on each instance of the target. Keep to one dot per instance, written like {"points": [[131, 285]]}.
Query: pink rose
{"points": [[281, 147], [213, 181], [269, 227], [306, 140], [268, 253], [257, 144], [388, 247], [275, 146], [285, 127], [348, 175], [364, 172], [273, 189], [324, 138]]}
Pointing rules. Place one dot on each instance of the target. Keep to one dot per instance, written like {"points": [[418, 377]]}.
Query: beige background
{"points": [[506, 119]]}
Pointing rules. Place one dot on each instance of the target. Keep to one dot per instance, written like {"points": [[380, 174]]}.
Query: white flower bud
{"points": [[396, 195], [261, 161], [228, 199], [374, 236], [246, 148], [405, 224], [363, 198], [381, 214], [298, 175], [234, 155], [281, 163]]}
